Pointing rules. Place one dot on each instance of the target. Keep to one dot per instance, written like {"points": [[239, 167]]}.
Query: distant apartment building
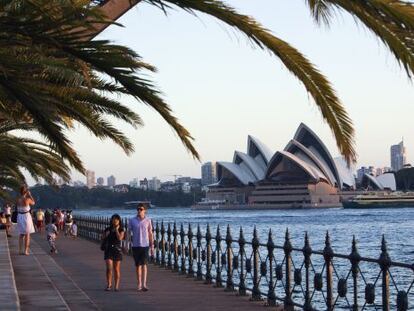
{"points": [[154, 184], [379, 171], [111, 181], [182, 180], [186, 187], [134, 183], [370, 170], [121, 188], [398, 156], [78, 183], [100, 182], [90, 179], [143, 184], [208, 173]]}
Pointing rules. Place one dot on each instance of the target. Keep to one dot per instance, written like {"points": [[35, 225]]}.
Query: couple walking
{"points": [[140, 231]]}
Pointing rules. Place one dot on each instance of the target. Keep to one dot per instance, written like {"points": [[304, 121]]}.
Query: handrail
{"points": [[297, 277]]}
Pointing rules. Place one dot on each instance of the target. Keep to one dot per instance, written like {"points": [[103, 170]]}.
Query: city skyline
{"points": [[246, 92]]}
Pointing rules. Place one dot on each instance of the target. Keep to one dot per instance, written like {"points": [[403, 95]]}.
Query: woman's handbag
{"points": [[104, 244], [14, 216]]}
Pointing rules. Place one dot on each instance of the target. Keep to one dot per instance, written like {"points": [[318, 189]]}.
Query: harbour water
{"points": [[368, 226]]}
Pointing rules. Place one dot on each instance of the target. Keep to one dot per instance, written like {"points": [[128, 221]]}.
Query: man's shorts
{"points": [[141, 255]]}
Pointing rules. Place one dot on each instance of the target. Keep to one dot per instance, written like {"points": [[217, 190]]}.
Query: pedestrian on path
{"points": [[113, 235], [7, 213], [52, 232], [40, 217], [140, 227], [24, 219], [74, 230]]}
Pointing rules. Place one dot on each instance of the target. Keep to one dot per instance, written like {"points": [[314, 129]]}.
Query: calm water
{"points": [[367, 225]]}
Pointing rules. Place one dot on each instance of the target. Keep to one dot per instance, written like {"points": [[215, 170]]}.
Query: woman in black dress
{"points": [[114, 234]]}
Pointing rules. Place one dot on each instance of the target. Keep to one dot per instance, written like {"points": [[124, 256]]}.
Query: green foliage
{"points": [[82, 197]]}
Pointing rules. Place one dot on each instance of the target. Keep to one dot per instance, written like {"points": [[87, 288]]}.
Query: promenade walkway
{"points": [[74, 279]]}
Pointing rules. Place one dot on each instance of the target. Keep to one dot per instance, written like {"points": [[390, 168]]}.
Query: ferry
{"points": [[208, 205], [381, 200]]}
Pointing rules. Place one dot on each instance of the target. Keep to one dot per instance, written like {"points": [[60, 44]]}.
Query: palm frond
{"points": [[392, 21], [315, 83]]}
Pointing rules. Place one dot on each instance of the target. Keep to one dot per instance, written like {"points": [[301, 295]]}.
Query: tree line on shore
{"points": [[66, 197]]}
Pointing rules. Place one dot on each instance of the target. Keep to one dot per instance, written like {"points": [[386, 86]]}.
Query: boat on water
{"points": [[381, 200], [208, 205]]}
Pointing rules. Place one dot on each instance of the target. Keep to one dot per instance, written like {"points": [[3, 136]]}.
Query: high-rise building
{"points": [[90, 179], [100, 181], [111, 181], [154, 184], [398, 157], [208, 173]]}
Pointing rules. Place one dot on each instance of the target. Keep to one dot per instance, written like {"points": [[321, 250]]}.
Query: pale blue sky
{"points": [[222, 89]]}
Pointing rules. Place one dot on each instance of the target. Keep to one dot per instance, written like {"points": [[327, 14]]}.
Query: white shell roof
{"points": [[264, 150], [388, 181], [309, 169], [244, 176], [311, 157], [329, 161], [374, 181], [347, 175], [255, 168]]}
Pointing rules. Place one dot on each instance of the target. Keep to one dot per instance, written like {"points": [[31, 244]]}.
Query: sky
{"points": [[223, 89]]}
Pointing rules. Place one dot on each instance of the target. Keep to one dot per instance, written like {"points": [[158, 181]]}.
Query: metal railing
{"points": [[279, 274]]}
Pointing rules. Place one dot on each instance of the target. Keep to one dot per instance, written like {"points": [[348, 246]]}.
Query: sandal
{"points": [[139, 289], [145, 289], [108, 288]]}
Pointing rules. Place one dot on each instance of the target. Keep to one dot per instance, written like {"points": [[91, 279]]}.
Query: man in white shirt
{"points": [[140, 227]]}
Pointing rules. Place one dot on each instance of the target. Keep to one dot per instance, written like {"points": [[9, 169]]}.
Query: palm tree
{"points": [[54, 75], [17, 153]]}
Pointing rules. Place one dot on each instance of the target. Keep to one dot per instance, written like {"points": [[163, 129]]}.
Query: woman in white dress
{"points": [[24, 220]]}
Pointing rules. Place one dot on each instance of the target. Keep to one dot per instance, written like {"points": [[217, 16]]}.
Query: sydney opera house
{"points": [[303, 175]]}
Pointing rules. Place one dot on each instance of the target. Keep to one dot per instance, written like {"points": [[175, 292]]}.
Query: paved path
{"points": [[74, 279], [9, 299]]}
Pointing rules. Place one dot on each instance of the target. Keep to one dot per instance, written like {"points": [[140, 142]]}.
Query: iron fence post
{"points": [[190, 252], [169, 261], [242, 243], [256, 295], [287, 248], [229, 281], [199, 269], [355, 258], [307, 252], [157, 244], [218, 263], [162, 244], [271, 296], [209, 278], [175, 234], [328, 255], [182, 246], [385, 263]]}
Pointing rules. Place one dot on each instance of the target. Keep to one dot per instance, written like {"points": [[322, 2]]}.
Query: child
{"points": [[52, 232], [74, 230]]}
